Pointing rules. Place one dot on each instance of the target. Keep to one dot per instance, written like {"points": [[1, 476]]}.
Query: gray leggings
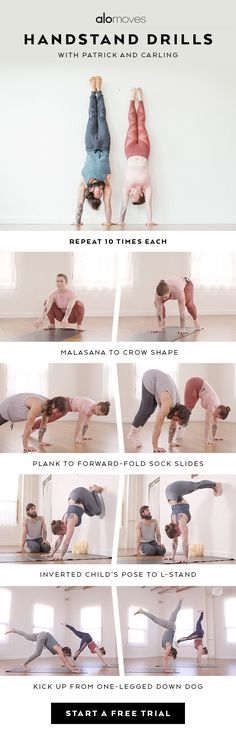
{"points": [[147, 407], [175, 491], [92, 501], [168, 624], [97, 136], [38, 545], [152, 548], [43, 639]]}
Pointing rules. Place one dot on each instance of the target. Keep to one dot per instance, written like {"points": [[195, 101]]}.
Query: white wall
{"points": [[67, 606], [149, 268], [220, 376], [161, 604], [72, 380], [36, 279], [190, 107], [97, 532]]}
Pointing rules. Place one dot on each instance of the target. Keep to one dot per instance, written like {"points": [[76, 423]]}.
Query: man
{"points": [[197, 637], [148, 537], [158, 389], [87, 641], [47, 641], [180, 511], [34, 532]]}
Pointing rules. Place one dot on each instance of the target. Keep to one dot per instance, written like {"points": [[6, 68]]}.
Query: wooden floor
{"points": [[96, 329], [217, 328], [60, 435], [181, 666], [193, 441], [128, 557], [50, 666], [116, 227]]}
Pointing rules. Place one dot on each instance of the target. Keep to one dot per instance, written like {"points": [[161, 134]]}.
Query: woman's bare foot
{"points": [[139, 93], [133, 93], [139, 611], [197, 325], [98, 83], [96, 488], [93, 83], [217, 491]]}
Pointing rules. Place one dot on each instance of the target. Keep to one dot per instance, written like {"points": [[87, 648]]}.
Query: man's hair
{"points": [[162, 288], [29, 506], [205, 650], [182, 412], [94, 202], [59, 403], [140, 200], [102, 650], [105, 407], [142, 509], [171, 530], [66, 651], [56, 526], [224, 411], [64, 277]]}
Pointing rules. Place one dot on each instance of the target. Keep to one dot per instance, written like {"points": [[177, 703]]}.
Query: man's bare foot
{"points": [[139, 611], [96, 488], [98, 83], [93, 83], [133, 93], [217, 491]]}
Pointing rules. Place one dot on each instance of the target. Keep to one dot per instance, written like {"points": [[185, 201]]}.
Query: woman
{"points": [[28, 407], [181, 289], [198, 389], [180, 511], [158, 389], [87, 641], [62, 305], [81, 501], [197, 636], [96, 173], [137, 186], [47, 641], [168, 637], [86, 408]]}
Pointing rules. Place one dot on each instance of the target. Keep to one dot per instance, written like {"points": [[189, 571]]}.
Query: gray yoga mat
{"points": [[48, 336], [35, 557], [169, 334]]}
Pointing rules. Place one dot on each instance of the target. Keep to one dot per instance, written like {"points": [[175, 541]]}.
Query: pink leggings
{"points": [[76, 315], [137, 141], [191, 392], [191, 307]]}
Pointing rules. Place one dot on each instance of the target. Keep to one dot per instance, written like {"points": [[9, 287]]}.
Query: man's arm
{"points": [[23, 536], [157, 533], [44, 529], [172, 430], [166, 404], [82, 420], [125, 200], [42, 429], [138, 538], [34, 411], [80, 203], [107, 203]]}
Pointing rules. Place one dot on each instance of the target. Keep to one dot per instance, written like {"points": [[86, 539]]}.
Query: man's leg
{"points": [[152, 548], [33, 546], [77, 313], [45, 547], [104, 140], [147, 407], [91, 133]]}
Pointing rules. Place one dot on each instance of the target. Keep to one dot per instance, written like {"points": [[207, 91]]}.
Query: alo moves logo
{"points": [[103, 18]]}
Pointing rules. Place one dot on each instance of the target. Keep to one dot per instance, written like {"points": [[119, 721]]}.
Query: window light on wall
{"points": [[22, 377], [100, 271], [230, 619], [184, 624], [7, 271], [137, 628], [9, 500], [43, 618], [216, 270], [5, 611]]}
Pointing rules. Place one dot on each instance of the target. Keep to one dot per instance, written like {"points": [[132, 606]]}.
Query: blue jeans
{"points": [[97, 136]]}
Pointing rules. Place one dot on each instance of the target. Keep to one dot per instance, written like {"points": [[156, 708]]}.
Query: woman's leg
{"points": [[166, 623], [90, 500], [143, 137], [174, 614], [104, 140], [77, 313], [32, 637], [191, 392], [55, 313], [193, 636], [41, 638], [91, 134], [177, 489], [191, 307], [132, 133], [147, 407]]}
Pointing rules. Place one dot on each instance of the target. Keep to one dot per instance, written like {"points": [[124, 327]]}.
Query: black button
{"points": [[154, 713]]}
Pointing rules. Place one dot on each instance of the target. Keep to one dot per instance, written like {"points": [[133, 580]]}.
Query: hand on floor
{"points": [[159, 450], [30, 449]]}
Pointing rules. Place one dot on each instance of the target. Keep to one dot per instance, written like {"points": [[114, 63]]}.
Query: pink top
{"points": [[177, 285], [82, 404], [137, 172], [208, 397], [62, 299]]}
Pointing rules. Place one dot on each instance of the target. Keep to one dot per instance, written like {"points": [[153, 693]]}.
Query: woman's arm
{"points": [[100, 656], [69, 308], [184, 534], [125, 200], [46, 307], [107, 203], [166, 404], [148, 200], [209, 422], [64, 659], [138, 538], [159, 313], [166, 655], [82, 420], [71, 522], [80, 203]]}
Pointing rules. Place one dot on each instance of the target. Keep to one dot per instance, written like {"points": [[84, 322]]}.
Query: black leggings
{"points": [[2, 421], [85, 638], [147, 407]]}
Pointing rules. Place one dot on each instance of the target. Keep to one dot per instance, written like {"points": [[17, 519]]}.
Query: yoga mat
{"points": [[169, 334], [37, 557], [152, 669], [49, 336], [155, 559]]}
